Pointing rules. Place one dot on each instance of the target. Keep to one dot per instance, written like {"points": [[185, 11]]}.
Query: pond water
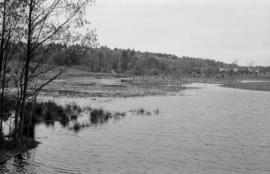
{"points": [[207, 130]]}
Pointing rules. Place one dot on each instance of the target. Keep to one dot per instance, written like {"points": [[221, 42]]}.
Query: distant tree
{"points": [[250, 64], [235, 62]]}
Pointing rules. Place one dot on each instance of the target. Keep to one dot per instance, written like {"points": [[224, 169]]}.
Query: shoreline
{"points": [[254, 86], [124, 89], [25, 145]]}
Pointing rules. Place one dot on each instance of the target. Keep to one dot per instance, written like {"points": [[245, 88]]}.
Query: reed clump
{"points": [[99, 116]]}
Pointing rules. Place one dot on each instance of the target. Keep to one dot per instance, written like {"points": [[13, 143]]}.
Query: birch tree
{"points": [[45, 22]]}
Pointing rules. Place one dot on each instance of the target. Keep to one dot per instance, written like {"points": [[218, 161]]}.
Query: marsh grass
{"points": [[70, 116], [78, 126], [142, 112], [115, 87], [99, 116]]}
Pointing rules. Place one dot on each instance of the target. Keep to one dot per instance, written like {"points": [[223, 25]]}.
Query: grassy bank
{"points": [[260, 86]]}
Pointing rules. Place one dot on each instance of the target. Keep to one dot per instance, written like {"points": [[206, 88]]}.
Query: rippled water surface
{"points": [[207, 130]]}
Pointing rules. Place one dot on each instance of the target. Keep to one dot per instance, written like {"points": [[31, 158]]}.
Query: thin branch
{"points": [[49, 81]]}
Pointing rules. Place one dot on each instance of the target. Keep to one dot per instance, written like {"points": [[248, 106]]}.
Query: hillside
{"points": [[131, 62]]}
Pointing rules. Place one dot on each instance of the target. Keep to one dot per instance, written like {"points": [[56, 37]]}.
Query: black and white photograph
{"points": [[134, 86]]}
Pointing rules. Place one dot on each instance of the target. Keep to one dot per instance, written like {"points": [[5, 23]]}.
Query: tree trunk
{"points": [[27, 66], [2, 65]]}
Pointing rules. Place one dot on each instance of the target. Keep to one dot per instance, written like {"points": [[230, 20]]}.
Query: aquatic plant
{"points": [[78, 126], [73, 117], [68, 116], [73, 108], [140, 111], [99, 116], [156, 111], [148, 113]]}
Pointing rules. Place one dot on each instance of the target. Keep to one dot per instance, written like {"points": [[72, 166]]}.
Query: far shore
{"points": [[259, 86], [109, 85]]}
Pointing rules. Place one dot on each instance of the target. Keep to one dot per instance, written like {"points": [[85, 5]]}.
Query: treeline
{"points": [[128, 61]]}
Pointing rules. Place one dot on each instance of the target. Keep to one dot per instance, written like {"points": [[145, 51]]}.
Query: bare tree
{"points": [[10, 18], [46, 21]]}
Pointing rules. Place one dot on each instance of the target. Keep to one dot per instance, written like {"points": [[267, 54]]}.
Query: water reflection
{"points": [[19, 164]]}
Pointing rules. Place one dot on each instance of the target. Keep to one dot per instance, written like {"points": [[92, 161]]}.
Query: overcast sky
{"points": [[218, 29]]}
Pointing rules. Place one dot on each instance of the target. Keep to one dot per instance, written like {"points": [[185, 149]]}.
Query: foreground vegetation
{"points": [[70, 116]]}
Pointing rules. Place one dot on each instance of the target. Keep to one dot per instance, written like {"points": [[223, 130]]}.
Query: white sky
{"points": [[218, 29]]}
